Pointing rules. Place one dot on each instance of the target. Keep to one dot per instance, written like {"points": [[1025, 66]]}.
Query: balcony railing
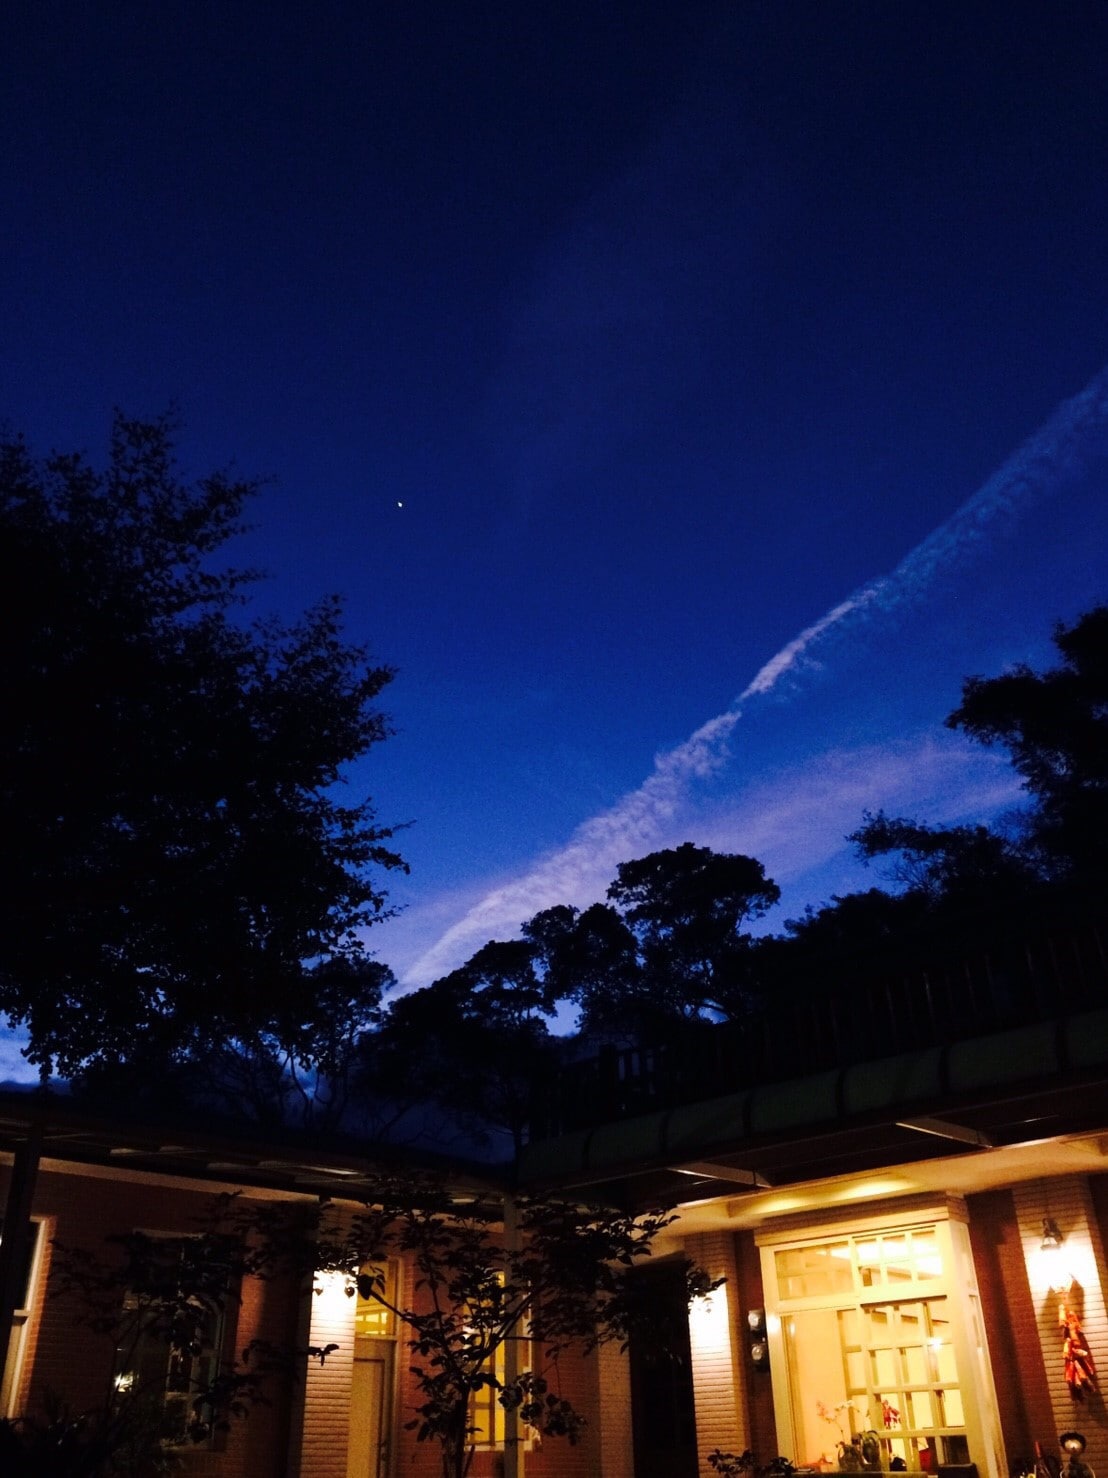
{"points": [[851, 1012]]}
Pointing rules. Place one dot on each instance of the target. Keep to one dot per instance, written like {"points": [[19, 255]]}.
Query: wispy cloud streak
{"points": [[578, 872]]}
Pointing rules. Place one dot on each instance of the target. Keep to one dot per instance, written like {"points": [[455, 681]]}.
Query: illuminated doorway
{"points": [[371, 1394], [878, 1350]]}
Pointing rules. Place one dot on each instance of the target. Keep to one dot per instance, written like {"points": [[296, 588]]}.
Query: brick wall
{"points": [[326, 1422], [1078, 1266], [615, 1432], [67, 1359], [762, 1422], [718, 1349], [1022, 1394]]}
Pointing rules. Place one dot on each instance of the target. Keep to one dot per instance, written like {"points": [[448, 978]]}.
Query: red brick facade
{"points": [[305, 1433]]}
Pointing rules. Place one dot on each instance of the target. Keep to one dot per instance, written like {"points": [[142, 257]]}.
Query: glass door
{"points": [[371, 1394], [871, 1335]]}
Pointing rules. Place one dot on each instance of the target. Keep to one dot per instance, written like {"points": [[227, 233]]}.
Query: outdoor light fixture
{"points": [[1052, 1237], [756, 1329], [1073, 1445]]}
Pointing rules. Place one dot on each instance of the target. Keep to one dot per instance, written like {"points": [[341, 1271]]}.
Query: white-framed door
{"points": [[877, 1341]]}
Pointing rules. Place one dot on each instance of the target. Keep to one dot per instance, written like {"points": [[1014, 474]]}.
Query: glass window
{"points": [[815, 1271], [486, 1415], [868, 1347], [171, 1337], [23, 1301], [372, 1319]]}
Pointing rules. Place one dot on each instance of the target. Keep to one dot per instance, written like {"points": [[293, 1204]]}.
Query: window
{"points": [[486, 1415], [487, 1418], [875, 1346], [171, 1331], [373, 1375], [372, 1319]]}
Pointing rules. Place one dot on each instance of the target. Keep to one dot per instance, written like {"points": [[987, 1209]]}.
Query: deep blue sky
{"points": [[670, 326]]}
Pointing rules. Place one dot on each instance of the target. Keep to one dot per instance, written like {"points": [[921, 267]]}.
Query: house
{"points": [[903, 1181]]}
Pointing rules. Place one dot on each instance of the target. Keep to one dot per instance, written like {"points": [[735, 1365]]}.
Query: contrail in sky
{"points": [[579, 871]]}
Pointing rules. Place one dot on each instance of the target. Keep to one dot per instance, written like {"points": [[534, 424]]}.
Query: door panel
{"points": [[368, 1451]]}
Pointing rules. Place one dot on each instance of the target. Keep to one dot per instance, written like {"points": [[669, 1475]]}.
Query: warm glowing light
{"points": [[709, 1323], [861, 1190], [781, 1203], [1054, 1270], [331, 1289]]}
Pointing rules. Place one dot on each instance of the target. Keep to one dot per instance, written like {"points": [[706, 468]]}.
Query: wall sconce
{"points": [[756, 1329], [1052, 1237]]}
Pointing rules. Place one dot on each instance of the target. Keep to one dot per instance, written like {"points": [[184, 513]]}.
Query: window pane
{"points": [[168, 1354], [372, 1320], [952, 1413], [928, 1258], [811, 1272], [855, 1364]]}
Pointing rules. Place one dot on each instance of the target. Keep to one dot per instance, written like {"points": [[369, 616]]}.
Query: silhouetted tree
{"points": [[182, 855], [955, 867], [590, 958], [687, 907], [557, 1277], [1054, 724], [474, 1042]]}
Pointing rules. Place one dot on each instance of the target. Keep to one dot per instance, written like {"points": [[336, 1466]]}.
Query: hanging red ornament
{"points": [[1079, 1366]]}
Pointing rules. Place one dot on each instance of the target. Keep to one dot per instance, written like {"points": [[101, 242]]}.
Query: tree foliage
{"points": [[590, 958], [687, 908], [555, 1277], [474, 1043], [170, 768], [1054, 725], [967, 866]]}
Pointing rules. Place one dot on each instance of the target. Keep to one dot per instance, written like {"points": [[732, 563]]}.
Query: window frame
{"points": [[214, 1349], [11, 1377], [956, 1283]]}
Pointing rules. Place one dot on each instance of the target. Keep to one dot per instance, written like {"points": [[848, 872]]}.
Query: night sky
{"points": [[600, 354]]}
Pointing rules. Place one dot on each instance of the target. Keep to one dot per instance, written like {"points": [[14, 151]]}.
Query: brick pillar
{"points": [[617, 1456], [326, 1420], [1079, 1266], [718, 1349]]}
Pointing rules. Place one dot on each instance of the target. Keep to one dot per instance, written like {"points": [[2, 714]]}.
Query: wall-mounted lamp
{"points": [[1052, 1237], [756, 1329]]}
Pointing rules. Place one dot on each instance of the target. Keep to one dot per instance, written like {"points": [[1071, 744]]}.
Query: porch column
{"points": [[617, 1441], [717, 1349], [513, 1448], [1073, 1272], [328, 1387], [15, 1240]]}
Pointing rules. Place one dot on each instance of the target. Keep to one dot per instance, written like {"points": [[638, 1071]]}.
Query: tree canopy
{"points": [[671, 947], [1054, 725], [474, 1043], [687, 906], [170, 768], [540, 1274]]}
